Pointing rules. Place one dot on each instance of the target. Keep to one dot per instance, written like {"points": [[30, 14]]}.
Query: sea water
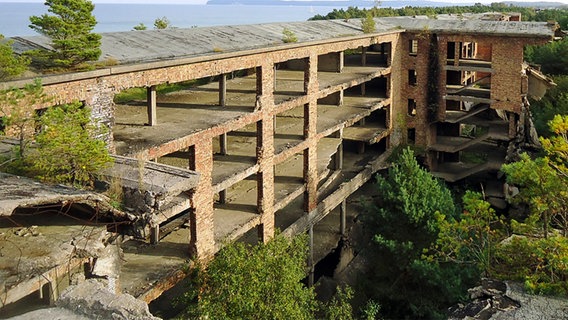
{"points": [[14, 17]]}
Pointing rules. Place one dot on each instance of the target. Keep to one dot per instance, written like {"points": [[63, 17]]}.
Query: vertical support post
{"points": [[151, 105], [310, 134], [311, 256], [191, 158], [342, 218], [223, 103], [154, 234], [202, 240], [363, 56], [223, 196], [265, 150], [338, 158]]}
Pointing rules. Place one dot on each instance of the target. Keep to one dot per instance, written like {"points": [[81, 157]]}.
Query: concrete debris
{"points": [[51, 313], [93, 300], [497, 300]]}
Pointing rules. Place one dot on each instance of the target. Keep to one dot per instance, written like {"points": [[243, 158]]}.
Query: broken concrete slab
{"points": [[93, 300], [19, 192]]}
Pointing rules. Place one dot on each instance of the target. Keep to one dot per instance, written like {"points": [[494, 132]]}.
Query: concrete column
{"points": [[223, 196], [335, 98], [342, 219], [310, 134], [151, 105], [338, 157], [154, 234], [223, 103], [223, 90], [265, 153], [191, 158], [331, 62], [364, 56], [311, 264], [202, 240]]}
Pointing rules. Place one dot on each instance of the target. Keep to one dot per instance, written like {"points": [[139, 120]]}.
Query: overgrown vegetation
{"points": [[134, 94], [406, 224], [70, 29], [261, 282], [368, 24], [288, 36], [139, 27], [58, 146], [10, 64], [162, 23]]}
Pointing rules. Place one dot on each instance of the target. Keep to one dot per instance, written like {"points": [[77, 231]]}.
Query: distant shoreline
{"points": [[383, 4]]}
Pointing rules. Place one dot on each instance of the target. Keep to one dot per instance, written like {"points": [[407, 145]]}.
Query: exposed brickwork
{"points": [[507, 59], [202, 242], [507, 87]]}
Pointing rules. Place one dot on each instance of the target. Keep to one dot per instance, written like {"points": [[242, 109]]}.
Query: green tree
{"points": [[70, 30], [19, 116], [552, 57], [140, 27], [368, 24], [261, 282], [473, 237], [10, 64], [539, 256], [405, 222], [540, 263], [554, 102], [162, 23], [257, 282], [67, 150]]}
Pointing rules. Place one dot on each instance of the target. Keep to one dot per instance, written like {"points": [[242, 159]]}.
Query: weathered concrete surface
{"points": [[497, 300], [93, 300], [20, 192], [44, 249], [533, 307], [51, 313]]}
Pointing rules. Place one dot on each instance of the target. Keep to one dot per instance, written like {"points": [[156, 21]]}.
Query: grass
{"points": [[135, 94]]}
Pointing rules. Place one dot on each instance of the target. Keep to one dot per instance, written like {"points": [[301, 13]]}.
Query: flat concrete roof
{"points": [[151, 45], [457, 25]]}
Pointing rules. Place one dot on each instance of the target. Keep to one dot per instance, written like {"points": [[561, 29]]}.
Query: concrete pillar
{"points": [[331, 62], [335, 98], [338, 158], [191, 158], [311, 264], [223, 103], [364, 56], [223, 90], [342, 219], [310, 135], [265, 153], [151, 105], [223, 196], [202, 240], [154, 234]]}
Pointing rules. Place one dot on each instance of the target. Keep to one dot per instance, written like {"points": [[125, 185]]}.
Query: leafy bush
{"points": [[288, 36], [66, 148], [540, 263]]}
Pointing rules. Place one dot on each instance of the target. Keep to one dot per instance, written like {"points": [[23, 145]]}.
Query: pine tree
{"points": [[10, 64], [70, 30]]}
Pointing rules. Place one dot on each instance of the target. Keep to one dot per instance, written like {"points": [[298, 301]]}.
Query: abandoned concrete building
{"points": [[273, 134]]}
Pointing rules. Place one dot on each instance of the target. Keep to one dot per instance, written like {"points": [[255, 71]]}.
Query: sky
{"points": [[205, 1]]}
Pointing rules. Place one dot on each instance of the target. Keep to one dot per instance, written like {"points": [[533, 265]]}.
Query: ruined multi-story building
{"points": [[278, 135]]}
